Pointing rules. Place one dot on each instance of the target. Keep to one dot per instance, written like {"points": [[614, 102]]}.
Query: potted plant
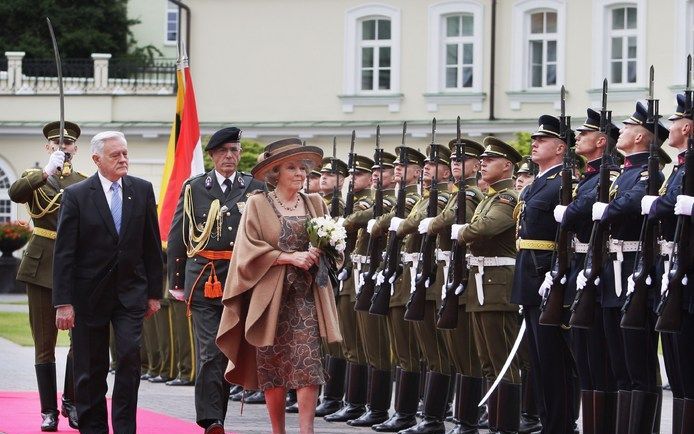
{"points": [[13, 236]]}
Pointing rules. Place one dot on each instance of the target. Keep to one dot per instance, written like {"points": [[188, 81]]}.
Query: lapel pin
{"points": [[241, 183], [130, 198], [208, 182]]}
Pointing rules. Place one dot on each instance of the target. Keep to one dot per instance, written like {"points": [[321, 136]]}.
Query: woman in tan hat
{"points": [[275, 313]]}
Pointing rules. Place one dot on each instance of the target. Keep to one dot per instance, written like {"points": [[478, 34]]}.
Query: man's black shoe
{"points": [[158, 379], [50, 421], [215, 428], [257, 397], [69, 411], [529, 424], [179, 382]]}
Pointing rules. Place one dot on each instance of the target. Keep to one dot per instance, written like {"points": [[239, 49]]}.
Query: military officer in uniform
{"points": [[182, 342], [551, 359], [491, 239], [429, 338], [200, 244], [637, 404], [333, 174], [598, 386], [525, 174], [677, 347], [372, 329], [459, 341], [360, 180], [41, 190], [401, 332], [313, 182]]}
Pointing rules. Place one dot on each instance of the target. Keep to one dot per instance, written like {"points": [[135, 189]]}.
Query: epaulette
{"points": [[644, 175], [507, 198]]}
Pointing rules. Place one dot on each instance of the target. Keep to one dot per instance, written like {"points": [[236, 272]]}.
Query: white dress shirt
{"points": [[106, 185], [221, 178]]}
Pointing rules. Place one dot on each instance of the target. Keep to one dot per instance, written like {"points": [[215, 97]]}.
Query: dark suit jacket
{"points": [[93, 264]]}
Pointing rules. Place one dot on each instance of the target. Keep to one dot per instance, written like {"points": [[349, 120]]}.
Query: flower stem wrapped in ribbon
{"points": [[330, 237]]}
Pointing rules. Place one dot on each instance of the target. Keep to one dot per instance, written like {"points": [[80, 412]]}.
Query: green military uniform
{"points": [[183, 343], [200, 245], [42, 198]]}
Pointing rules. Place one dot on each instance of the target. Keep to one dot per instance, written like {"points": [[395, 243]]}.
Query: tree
{"points": [[82, 27], [522, 143], [249, 156]]}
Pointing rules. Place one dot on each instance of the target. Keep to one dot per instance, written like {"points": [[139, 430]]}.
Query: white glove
{"points": [[380, 278], [55, 162], [647, 203], [684, 205], [547, 283], [370, 225], [455, 230], [581, 280], [559, 211], [599, 210], [395, 223], [424, 225]]}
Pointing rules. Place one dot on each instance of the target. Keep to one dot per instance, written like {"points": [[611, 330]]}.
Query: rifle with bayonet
{"points": [[552, 306], [635, 309], [583, 306], [335, 200], [457, 278], [670, 307], [380, 302], [346, 271], [366, 285], [426, 268]]}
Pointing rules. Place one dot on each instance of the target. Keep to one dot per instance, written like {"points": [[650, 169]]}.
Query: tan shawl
{"points": [[253, 291]]}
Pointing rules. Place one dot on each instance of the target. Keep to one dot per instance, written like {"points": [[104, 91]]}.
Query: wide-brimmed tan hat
{"points": [[283, 150]]}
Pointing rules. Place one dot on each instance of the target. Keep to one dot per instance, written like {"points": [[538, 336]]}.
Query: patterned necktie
{"points": [[116, 205], [227, 182]]}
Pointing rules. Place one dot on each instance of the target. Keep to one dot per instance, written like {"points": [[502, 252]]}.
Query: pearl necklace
{"points": [[296, 205]]}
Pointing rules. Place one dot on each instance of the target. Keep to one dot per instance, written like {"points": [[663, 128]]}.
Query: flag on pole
{"points": [[185, 160]]}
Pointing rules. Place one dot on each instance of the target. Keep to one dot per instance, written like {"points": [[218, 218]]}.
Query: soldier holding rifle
{"points": [[630, 350], [390, 297], [677, 347], [551, 360], [598, 387]]}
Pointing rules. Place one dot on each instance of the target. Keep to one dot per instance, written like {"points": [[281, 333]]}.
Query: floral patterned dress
{"points": [[293, 361]]}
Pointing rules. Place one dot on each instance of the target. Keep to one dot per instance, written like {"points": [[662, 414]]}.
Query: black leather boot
{"points": [[355, 397], [435, 400], [508, 410], [658, 411], [623, 408], [677, 410], [68, 409], [642, 412], [466, 412], [587, 408], [530, 415], [45, 377], [492, 408], [380, 391], [687, 416], [406, 400], [334, 387], [604, 412]]}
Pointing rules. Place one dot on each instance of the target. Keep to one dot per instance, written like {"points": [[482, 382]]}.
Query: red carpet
{"points": [[19, 414]]}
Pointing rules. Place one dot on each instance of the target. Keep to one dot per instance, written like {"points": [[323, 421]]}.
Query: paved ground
{"points": [[18, 374]]}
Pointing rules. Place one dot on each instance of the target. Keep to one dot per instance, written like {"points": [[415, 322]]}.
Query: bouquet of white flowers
{"points": [[330, 237]]}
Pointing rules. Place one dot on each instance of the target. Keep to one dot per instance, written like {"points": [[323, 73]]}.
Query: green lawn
{"points": [[14, 326]]}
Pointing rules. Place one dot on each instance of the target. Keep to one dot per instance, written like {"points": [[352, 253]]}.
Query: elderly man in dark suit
{"points": [[107, 271]]}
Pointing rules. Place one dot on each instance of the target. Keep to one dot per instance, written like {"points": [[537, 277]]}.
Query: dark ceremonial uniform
{"points": [[211, 216], [42, 199], [551, 359]]}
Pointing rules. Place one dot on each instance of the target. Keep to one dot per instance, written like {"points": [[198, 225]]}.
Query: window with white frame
{"points": [[458, 47], [7, 209], [622, 45], [542, 49], [375, 47], [172, 17]]}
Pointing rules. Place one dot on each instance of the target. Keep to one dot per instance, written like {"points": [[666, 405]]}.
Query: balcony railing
{"points": [[96, 76]]}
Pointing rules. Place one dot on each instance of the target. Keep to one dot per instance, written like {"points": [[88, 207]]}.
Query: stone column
{"points": [[14, 69], [101, 70]]}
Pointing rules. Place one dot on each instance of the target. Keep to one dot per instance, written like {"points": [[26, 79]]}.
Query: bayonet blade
{"points": [[650, 82], [404, 132]]}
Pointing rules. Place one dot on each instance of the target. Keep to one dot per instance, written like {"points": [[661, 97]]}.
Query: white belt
{"points": [[666, 247], [360, 259], [410, 257], [619, 246], [480, 262], [580, 247], [443, 255]]}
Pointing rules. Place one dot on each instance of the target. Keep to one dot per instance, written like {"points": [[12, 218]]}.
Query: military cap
{"points": [[225, 135], [340, 167], [681, 109], [444, 154], [472, 148], [314, 172], [527, 165], [413, 156], [386, 160], [592, 123], [283, 150], [548, 126], [70, 130], [640, 117], [362, 163], [494, 147]]}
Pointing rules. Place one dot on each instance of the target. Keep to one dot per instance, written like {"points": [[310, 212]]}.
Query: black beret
{"points": [[225, 135]]}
